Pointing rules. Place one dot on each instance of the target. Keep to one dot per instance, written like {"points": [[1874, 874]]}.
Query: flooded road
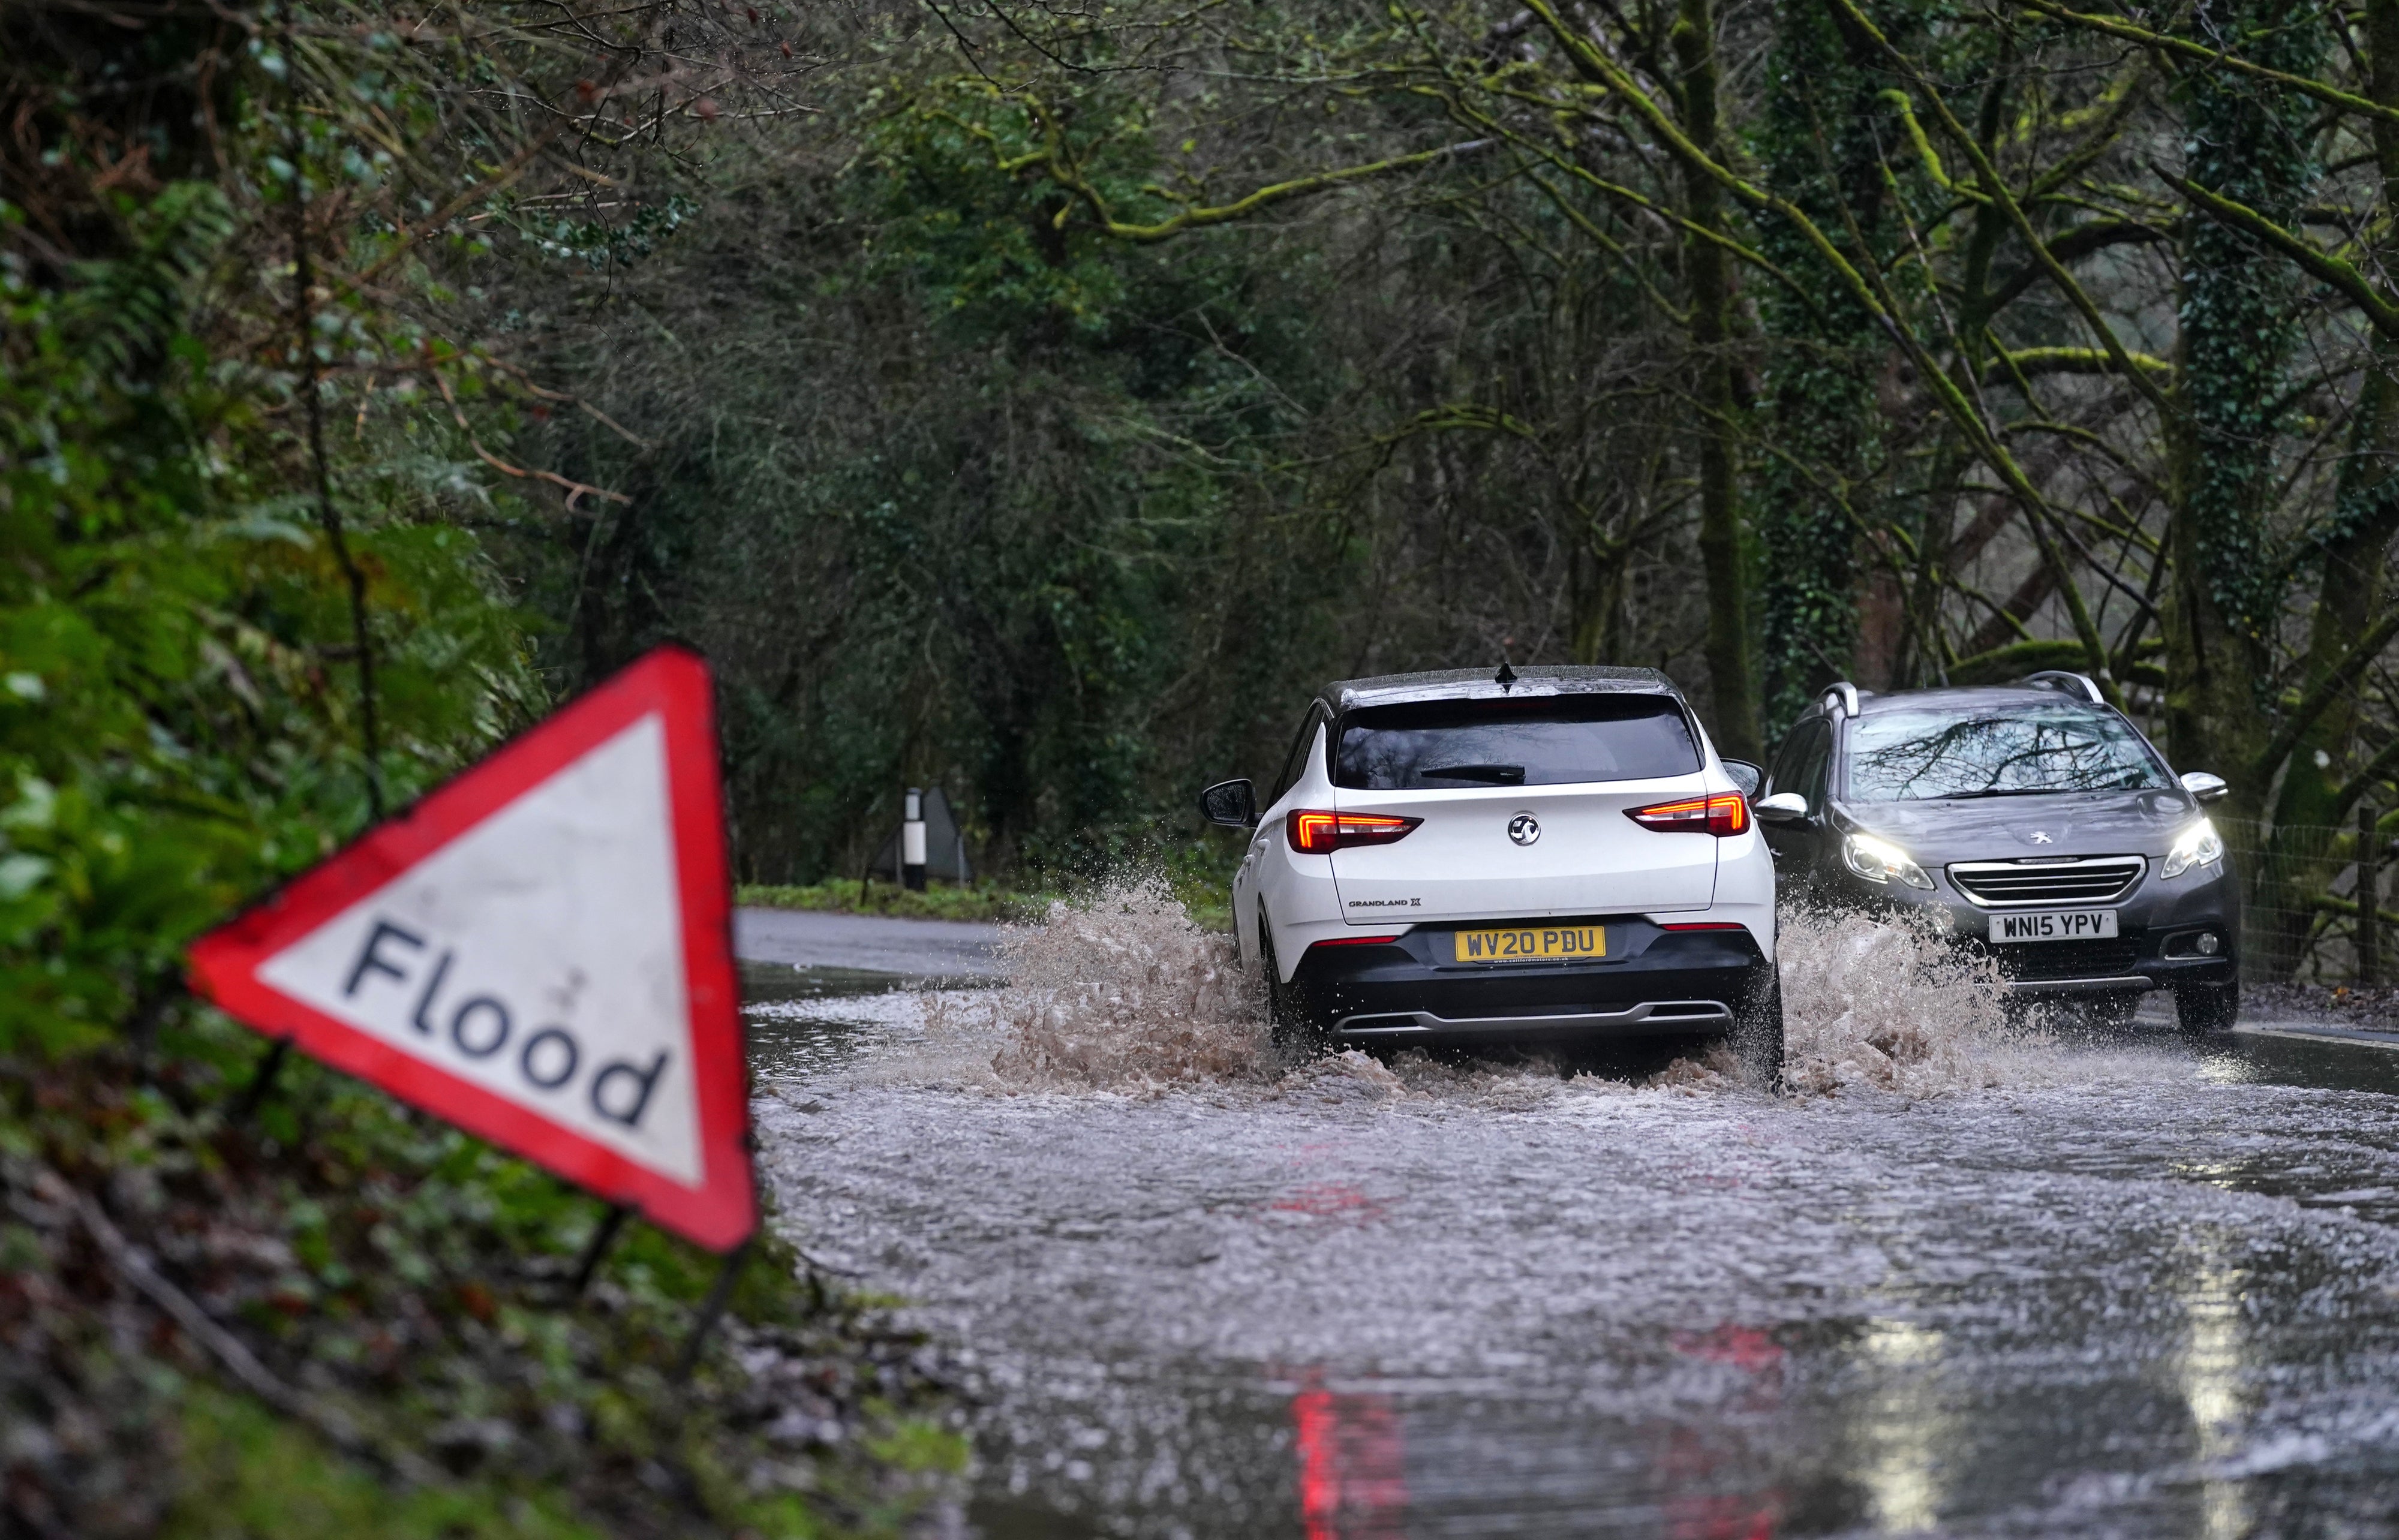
{"points": [[2111, 1284]]}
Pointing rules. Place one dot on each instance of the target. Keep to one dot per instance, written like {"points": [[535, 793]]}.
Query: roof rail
{"points": [[1845, 694], [2066, 683]]}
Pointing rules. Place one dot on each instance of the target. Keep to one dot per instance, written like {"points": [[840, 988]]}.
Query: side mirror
{"points": [[1746, 776], [1232, 804], [2204, 786], [1782, 807]]}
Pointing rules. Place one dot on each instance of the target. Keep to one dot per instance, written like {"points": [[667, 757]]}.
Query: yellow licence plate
{"points": [[1530, 944]]}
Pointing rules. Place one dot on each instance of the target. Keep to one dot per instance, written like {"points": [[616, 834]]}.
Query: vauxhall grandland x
{"points": [[1548, 854]]}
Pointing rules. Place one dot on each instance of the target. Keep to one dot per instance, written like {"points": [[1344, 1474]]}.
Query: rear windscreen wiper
{"points": [[1497, 775]]}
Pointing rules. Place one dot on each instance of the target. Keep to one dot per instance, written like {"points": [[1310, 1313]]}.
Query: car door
{"points": [[1803, 766]]}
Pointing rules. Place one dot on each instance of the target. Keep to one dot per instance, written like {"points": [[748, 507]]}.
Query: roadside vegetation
{"points": [[939, 902], [246, 605], [1196, 884]]}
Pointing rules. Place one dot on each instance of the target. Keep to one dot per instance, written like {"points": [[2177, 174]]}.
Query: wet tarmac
{"points": [[2140, 1287], [818, 943]]}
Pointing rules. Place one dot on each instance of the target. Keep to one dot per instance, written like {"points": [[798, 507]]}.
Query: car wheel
{"points": [[2203, 1009], [1757, 1033], [1297, 1038]]}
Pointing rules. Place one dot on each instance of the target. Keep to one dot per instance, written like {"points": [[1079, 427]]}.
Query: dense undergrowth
{"points": [[244, 607], [385, 1342]]}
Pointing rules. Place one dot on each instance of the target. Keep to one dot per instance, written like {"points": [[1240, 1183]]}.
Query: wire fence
{"points": [[2302, 921]]}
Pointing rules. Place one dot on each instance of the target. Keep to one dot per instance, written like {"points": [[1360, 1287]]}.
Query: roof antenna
{"points": [[1506, 677]]}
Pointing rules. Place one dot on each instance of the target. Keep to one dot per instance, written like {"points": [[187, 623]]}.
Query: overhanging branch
{"points": [[2339, 677], [2069, 361], [2182, 47], [2321, 265]]}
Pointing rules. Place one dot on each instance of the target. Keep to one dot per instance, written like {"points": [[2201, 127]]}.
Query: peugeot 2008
{"points": [[1537, 856], [2033, 820]]}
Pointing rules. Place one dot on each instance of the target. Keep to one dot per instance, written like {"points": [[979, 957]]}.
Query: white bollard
{"points": [[912, 841]]}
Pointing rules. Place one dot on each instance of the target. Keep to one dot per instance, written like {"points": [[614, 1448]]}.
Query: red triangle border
{"points": [[671, 683]]}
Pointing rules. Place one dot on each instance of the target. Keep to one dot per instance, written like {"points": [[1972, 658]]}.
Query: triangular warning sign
{"points": [[539, 952]]}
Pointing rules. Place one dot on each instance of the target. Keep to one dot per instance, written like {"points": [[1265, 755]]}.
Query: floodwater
{"points": [[1973, 1283]]}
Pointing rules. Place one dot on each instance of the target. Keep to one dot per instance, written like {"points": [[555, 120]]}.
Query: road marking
{"points": [[2314, 1032]]}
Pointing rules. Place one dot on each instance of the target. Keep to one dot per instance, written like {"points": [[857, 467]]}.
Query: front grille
{"points": [[2035, 960], [2088, 880]]}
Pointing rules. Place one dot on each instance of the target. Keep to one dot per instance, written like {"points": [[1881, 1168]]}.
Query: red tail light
{"points": [[1322, 833], [1720, 813]]}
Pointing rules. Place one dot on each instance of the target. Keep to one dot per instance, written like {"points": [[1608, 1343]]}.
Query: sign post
{"points": [[539, 952], [912, 840]]}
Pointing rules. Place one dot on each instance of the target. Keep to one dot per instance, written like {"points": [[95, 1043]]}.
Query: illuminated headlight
{"points": [[1881, 861], [2199, 845]]}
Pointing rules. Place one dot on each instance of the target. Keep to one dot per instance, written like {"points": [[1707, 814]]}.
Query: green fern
{"points": [[129, 308]]}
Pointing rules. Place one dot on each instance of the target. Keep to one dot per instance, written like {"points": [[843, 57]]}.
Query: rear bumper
{"points": [[1648, 1017], [1653, 982]]}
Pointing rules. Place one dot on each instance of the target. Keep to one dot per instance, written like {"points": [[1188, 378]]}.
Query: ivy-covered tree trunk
{"points": [[1817, 138], [1731, 678], [1924, 656], [2353, 555], [2246, 139]]}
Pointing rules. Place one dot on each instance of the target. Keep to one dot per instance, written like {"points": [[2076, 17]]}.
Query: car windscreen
{"points": [[2008, 751], [1537, 740]]}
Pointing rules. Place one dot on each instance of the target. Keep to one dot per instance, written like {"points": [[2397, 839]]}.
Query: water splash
{"points": [[1123, 991], [1887, 1001]]}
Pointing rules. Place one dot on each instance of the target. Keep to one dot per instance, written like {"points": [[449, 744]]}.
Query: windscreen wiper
{"points": [[1497, 775]]}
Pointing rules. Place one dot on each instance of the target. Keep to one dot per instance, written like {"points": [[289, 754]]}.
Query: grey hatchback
{"points": [[2034, 820]]}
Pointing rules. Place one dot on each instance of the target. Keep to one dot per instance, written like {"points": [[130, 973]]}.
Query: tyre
{"points": [[1297, 1036], [1757, 1035], [2203, 1009]]}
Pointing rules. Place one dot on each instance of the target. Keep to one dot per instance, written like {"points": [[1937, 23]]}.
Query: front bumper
{"points": [[2158, 930], [1652, 981]]}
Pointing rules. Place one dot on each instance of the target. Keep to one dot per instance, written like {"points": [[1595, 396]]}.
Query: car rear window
{"points": [[1537, 740]]}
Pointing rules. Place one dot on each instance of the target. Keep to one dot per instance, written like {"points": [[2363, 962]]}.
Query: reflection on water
{"points": [[2211, 1369], [1352, 1462], [2152, 1294], [1906, 1430], [1692, 1467], [814, 1021], [775, 984]]}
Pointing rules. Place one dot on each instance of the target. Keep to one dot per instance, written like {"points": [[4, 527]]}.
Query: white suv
{"points": [[1470, 857]]}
